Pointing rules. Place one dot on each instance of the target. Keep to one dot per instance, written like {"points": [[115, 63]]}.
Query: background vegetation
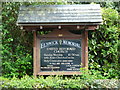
{"points": [[17, 44]]}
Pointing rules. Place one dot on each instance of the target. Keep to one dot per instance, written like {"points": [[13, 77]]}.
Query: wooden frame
{"points": [[60, 34], [51, 27]]}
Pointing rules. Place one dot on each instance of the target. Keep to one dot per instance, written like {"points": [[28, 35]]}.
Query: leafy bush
{"points": [[103, 45], [16, 46], [86, 80]]}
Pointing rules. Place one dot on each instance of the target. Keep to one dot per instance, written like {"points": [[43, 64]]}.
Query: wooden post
{"points": [[34, 54], [85, 49]]}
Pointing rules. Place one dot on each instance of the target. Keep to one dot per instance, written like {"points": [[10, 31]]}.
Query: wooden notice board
{"points": [[60, 52]]}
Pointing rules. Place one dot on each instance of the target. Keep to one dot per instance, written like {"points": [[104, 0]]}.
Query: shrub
{"points": [[16, 50], [86, 80], [103, 45]]}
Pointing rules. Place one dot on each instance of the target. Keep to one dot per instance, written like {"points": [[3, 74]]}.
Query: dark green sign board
{"points": [[60, 55]]}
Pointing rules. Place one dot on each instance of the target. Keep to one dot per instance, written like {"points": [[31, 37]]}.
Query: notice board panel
{"points": [[60, 55]]}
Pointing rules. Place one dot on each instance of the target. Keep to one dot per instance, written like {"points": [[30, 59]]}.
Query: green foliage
{"points": [[86, 80], [16, 48], [17, 44], [103, 45]]}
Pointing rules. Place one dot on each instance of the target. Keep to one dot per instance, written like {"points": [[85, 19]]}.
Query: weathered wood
{"points": [[64, 34], [35, 54], [59, 73], [83, 6], [85, 49], [56, 14], [83, 53], [65, 27], [60, 34], [57, 35], [63, 17]]}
